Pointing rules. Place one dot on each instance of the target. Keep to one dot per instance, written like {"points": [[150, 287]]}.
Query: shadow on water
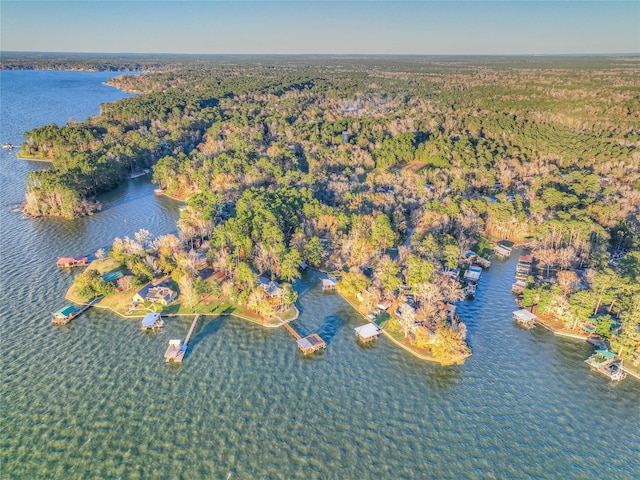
{"points": [[208, 326], [445, 377], [330, 326]]}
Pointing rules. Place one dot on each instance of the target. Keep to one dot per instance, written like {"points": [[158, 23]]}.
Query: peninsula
{"points": [[398, 177]]}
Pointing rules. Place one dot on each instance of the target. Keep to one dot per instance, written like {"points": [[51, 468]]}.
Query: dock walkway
{"points": [[176, 351], [295, 334]]}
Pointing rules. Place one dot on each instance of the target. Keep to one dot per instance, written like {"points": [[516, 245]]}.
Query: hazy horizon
{"points": [[331, 55], [443, 28]]}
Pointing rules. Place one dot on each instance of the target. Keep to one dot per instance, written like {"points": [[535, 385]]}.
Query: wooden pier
{"points": [[309, 344], [176, 351], [295, 334], [68, 313]]}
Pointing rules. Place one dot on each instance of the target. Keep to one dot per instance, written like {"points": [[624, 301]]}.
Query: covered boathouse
{"points": [[525, 317], [151, 321], [64, 315], [311, 344], [368, 333], [329, 284], [70, 262], [502, 250]]}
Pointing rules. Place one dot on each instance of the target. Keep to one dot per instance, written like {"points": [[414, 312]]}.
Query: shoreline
{"points": [[585, 338], [109, 265], [190, 314], [561, 332], [633, 373], [21, 156], [407, 348], [173, 197]]}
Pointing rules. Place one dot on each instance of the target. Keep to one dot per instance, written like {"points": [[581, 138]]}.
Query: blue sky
{"points": [[298, 27]]}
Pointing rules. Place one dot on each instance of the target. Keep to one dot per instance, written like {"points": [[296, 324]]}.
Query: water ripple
{"points": [[94, 399]]}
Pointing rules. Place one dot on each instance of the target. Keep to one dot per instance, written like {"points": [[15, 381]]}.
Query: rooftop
{"points": [[367, 331], [524, 315], [68, 310], [150, 320]]}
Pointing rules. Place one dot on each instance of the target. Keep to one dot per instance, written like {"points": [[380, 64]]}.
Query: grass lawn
{"points": [[216, 306], [107, 265], [22, 155]]}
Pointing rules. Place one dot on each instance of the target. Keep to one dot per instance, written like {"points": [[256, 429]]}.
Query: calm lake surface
{"points": [[94, 399]]}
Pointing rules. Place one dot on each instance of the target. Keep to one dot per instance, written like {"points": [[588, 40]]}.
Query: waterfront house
{"points": [[470, 256], [161, 294], [364, 295], [271, 288], [453, 273], [112, 276], [384, 305], [589, 327], [451, 310], [406, 311]]}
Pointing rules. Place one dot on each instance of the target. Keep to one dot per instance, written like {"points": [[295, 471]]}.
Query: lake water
{"points": [[94, 399]]}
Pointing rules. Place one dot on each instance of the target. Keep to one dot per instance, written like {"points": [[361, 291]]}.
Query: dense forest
{"points": [[387, 170]]}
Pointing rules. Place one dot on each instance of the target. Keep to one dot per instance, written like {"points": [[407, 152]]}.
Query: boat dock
{"points": [[71, 262], [308, 344], [524, 267], [470, 290], [606, 362], [502, 250], [152, 321], [328, 284], [68, 313], [525, 318], [177, 350], [368, 333]]}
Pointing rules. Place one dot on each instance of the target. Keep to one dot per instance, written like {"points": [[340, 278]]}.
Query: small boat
{"points": [[8, 146], [470, 290], [614, 371], [158, 191]]}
